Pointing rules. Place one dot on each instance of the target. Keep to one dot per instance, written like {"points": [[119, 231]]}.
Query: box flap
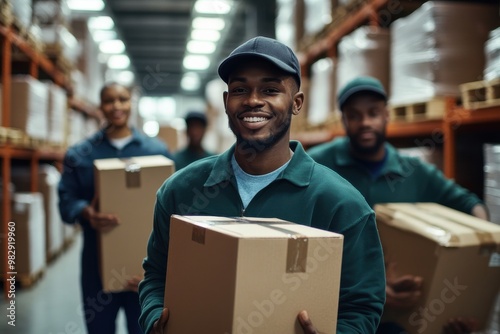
{"points": [[143, 161], [251, 227], [445, 226]]}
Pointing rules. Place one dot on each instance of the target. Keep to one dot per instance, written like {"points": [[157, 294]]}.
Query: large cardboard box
{"points": [[250, 275], [127, 188], [456, 254]]}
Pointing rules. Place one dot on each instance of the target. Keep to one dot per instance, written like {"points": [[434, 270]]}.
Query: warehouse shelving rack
{"points": [[457, 122], [38, 64]]}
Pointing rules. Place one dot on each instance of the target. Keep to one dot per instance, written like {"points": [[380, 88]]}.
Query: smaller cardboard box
{"points": [[456, 254], [250, 275], [127, 188]]}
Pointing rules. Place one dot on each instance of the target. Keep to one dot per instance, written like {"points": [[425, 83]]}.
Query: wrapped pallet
{"points": [[289, 23], [318, 13], [365, 52], [492, 180], [492, 50], [57, 113], [438, 47], [322, 91], [49, 12], [22, 10], [29, 106]]}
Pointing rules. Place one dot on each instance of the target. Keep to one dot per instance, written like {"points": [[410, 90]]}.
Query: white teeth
{"points": [[254, 119]]}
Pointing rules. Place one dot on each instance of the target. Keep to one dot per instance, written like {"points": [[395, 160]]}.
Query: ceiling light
{"points": [[205, 35], [103, 35], [208, 23], [151, 128], [192, 62], [86, 5], [125, 77], [118, 62], [201, 47], [101, 22], [190, 81], [112, 46], [213, 6]]}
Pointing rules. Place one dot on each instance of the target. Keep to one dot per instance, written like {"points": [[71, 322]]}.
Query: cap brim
{"points": [[230, 63]]}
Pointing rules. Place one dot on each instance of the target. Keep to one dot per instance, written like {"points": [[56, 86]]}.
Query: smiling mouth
{"points": [[254, 119]]}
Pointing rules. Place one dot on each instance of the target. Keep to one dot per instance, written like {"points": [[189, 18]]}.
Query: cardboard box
{"points": [[48, 180], [27, 214], [127, 188], [29, 106], [456, 254], [250, 275]]}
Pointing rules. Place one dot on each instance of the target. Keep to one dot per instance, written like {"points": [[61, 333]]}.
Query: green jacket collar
{"points": [[392, 165], [297, 172]]}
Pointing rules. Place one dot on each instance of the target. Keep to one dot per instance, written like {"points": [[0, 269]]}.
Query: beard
{"points": [[260, 145], [367, 150]]}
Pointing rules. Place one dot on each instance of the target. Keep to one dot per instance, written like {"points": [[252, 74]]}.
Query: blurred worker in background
{"points": [[196, 126], [78, 204]]}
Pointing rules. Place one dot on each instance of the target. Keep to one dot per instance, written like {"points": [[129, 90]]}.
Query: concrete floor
{"points": [[53, 304]]}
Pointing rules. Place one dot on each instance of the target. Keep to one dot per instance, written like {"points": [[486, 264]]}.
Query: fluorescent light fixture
{"points": [[125, 77], [86, 5], [190, 81], [196, 62], [151, 128], [118, 62], [201, 47], [101, 23], [220, 7], [113, 46], [205, 35], [103, 35], [211, 23]]}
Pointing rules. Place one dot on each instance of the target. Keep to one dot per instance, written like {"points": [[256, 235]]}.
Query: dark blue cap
{"points": [[360, 84], [265, 48], [195, 115]]}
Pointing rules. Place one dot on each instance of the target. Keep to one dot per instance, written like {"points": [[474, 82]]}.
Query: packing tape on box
{"points": [[433, 226], [296, 259], [132, 174]]}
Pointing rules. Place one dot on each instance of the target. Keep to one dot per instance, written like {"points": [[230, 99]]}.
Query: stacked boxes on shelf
{"points": [[57, 113], [433, 51], [28, 222], [322, 92], [48, 179], [492, 181], [29, 106], [22, 11]]}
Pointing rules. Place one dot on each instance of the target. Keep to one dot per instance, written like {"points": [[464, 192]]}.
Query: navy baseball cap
{"points": [[265, 48], [360, 84], [195, 115]]}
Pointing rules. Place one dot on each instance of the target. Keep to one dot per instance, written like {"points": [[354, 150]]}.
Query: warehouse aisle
{"points": [[52, 305]]}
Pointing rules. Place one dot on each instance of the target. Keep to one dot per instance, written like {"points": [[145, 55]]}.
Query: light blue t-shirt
{"points": [[249, 185]]}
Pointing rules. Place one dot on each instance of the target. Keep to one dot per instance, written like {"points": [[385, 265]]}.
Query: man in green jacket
{"points": [[382, 175], [266, 175]]}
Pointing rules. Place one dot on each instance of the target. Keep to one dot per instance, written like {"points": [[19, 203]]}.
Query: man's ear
{"points": [[298, 102]]}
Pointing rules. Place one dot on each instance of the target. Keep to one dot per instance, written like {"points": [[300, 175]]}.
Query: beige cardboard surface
{"points": [[250, 275], [131, 196], [457, 256]]}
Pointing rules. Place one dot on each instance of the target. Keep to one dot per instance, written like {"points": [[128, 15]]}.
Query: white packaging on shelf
{"points": [[318, 13], [48, 12], [22, 10], [29, 106], [365, 52], [57, 113], [76, 127], [57, 38], [285, 23], [321, 97], [492, 51], [438, 47]]}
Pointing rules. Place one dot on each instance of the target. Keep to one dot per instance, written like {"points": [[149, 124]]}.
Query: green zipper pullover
{"points": [[402, 178], [305, 193]]}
